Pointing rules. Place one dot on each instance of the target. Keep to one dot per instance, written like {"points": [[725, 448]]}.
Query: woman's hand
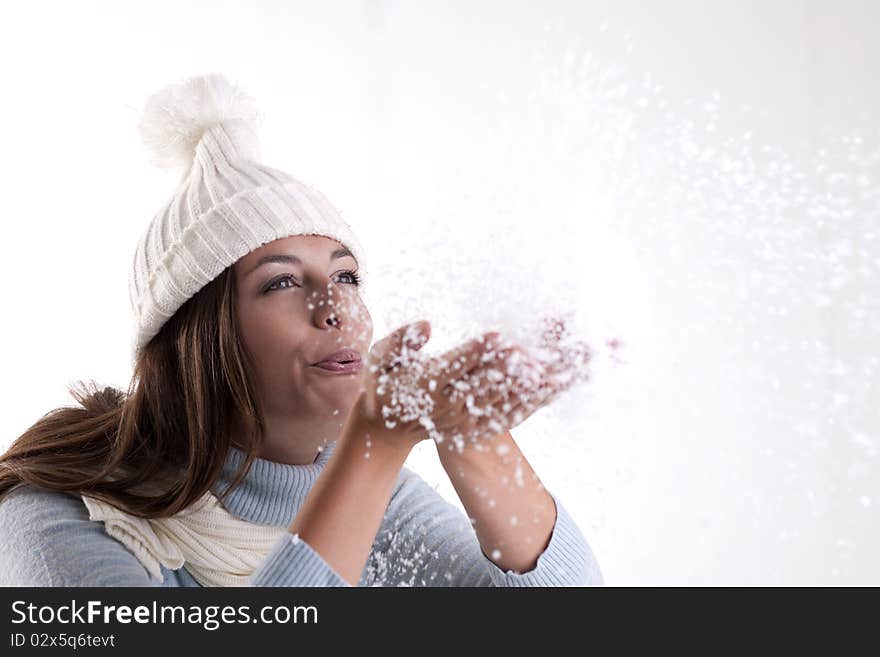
{"points": [[472, 392], [401, 392], [510, 384]]}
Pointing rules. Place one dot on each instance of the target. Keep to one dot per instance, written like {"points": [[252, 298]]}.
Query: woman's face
{"points": [[297, 302]]}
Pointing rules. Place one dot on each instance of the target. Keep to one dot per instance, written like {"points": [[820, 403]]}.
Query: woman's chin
{"points": [[340, 405]]}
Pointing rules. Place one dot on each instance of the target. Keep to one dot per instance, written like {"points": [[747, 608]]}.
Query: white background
{"points": [[696, 179]]}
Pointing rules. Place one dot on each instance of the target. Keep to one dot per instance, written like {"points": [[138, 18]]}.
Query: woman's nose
{"points": [[327, 313], [327, 317]]}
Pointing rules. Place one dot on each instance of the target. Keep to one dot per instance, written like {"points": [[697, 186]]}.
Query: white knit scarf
{"points": [[218, 548]]}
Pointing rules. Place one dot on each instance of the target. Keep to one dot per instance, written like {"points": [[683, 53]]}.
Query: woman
{"points": [[262, 441]]}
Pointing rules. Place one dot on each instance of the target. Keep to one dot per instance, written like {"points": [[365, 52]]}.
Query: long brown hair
{"points": [[159, 447]]}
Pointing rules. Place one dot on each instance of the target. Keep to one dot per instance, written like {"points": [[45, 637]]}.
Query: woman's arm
{"points": [[425, 540], [512, 513], [47, 539], [344, 508]]}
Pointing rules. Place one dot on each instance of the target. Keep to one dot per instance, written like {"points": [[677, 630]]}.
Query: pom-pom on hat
{"points": [[226, 204]]}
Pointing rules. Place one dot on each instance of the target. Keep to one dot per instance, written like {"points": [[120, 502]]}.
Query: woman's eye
{"points": [[274, 285], [353, 279]]}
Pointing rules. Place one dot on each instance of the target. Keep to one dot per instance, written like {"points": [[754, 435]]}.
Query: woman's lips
{"points": [[340, 356], [334, 366]]}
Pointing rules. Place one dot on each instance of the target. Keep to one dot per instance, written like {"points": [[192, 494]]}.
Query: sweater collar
{"points": [[270, 493]]}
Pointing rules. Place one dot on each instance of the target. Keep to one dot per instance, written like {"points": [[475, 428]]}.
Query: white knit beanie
{"points": [[226, 205]]}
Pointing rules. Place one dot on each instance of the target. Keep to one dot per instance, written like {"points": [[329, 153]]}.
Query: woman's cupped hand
{"points": [[471, 393]]}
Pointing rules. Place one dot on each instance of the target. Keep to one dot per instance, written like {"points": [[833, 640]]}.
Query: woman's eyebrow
{"points": [[293, 260]]}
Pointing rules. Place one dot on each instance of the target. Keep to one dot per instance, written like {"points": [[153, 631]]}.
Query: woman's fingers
{"points": [[394, 348], [495, 389], [553, 332], [506, 414], [457, 363], [504, 372], [512, 409], [506, 411], [476, 389]]}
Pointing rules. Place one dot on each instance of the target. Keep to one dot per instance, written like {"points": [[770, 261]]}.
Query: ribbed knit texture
{"points": [[47, 539], [271, 493], [217, 548], [224, 209], [225, 205]]}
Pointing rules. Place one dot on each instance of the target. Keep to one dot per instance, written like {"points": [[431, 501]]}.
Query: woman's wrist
{"points": [[344, 508], [450, 453], [360, 434], [368, 431]]}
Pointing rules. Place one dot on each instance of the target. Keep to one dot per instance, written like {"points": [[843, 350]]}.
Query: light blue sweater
{"points": [[47, 539]]}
